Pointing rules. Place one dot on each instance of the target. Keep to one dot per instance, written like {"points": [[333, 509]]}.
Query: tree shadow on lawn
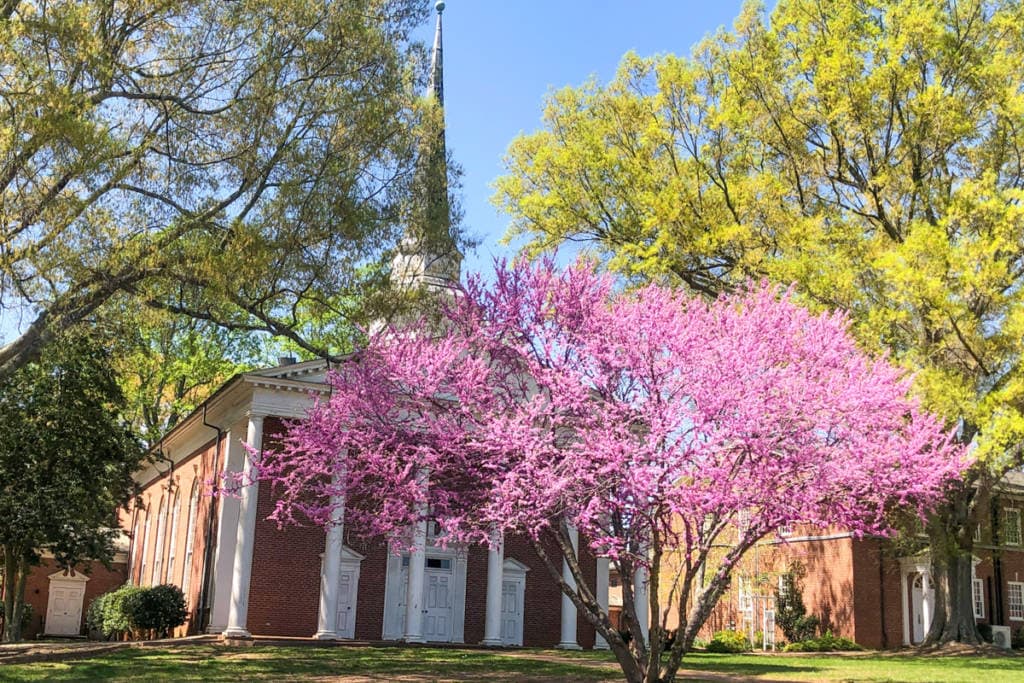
{"points": [[273, 663], [863, 667]]}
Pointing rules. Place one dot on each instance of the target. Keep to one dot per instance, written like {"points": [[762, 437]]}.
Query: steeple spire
{"points": [[427, 255], [435, 88]]}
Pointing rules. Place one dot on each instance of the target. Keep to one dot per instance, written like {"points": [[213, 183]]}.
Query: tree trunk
{"points": [[15, 575], [951, 538]]}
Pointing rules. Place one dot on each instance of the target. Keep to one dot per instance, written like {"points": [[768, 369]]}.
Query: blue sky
{"points": [[501, 58]]}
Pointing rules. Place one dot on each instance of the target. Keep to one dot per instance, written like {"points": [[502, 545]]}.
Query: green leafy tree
{"points": [[869, 152], [168, 364], [66, 459], [243, 163]]}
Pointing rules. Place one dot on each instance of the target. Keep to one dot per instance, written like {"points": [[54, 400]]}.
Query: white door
{"points": [[922, 597], [394, 627], [64, 608], [512, 611], [437, 613], [347, 603]]}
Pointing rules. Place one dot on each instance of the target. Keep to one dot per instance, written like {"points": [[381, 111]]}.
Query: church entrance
{"points": [[444, 596]]}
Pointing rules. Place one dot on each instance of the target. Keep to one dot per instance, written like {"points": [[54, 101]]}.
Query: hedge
{"points": [[134, 610]]}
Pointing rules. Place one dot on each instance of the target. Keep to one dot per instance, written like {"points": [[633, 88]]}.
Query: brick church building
{"points": [[866, 590], [243, 576]]}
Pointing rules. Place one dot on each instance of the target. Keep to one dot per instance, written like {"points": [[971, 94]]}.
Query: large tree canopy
{"points": [[66, 460], [244, 162], [650, 422], [870, 152]]}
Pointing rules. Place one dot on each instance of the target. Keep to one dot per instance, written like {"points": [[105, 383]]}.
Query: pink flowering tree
{"points": [[647, 420]]}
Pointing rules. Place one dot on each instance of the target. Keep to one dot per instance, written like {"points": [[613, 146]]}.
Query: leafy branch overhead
{"points": [[245, 163]]}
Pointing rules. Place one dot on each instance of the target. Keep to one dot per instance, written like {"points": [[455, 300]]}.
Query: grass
{"points": [[268, 663]]}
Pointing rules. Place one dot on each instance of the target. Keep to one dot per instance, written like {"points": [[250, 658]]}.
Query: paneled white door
{"points": [[347, 603], [512, 611], [437, 613], [64, 608]]}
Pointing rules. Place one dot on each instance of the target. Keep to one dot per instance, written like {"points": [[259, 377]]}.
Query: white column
{"points": [[601, 589], [495, 579], [568, 641], [414, 589], [905, 604], [641, 602], [330, 570], [227, 532], [238, 613]]}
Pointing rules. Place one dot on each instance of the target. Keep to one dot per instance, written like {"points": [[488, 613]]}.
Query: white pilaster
{"points": [[414, 589], [495, 579], [330, 571], [227, 533], [926, 601], [601, 588], [238, 613], [641, 601], [905, 605], [568, 640]]}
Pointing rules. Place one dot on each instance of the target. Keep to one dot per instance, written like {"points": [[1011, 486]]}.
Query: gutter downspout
{"points": [[204, 587]]}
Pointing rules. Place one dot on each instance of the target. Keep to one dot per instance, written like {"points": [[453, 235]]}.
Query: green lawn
{"points": [[268, 663]]}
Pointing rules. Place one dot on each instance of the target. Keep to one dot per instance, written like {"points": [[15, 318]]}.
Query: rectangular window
{"points": [[1015, 597], [783, 587], [742, 523], [746, 600], [977, 532], [438, 563], [1011, 526], [978, 598], [786, 530]]}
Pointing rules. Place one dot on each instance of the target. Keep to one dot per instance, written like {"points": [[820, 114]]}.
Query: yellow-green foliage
{"points": [[869, 152]]}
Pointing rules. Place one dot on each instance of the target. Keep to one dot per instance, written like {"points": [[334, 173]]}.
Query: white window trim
{"points": [[978, 597], [145, 551], [190, 539], [977, 533], [158, 552], [1009, 513], [1010, 585], [172, 542]]}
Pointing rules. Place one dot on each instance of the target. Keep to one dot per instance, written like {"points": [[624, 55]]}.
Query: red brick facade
{"points": [[37, 587]]}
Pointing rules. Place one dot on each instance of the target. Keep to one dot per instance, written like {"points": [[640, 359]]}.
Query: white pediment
{"points": [[513, 565]]}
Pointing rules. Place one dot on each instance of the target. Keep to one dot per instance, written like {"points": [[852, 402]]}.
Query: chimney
{"points": [[286, 360]]}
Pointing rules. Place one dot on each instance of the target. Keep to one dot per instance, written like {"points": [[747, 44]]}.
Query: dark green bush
{"points": [[790, 613], [985, 631], [94, 617], [731, 642], [826, 643], [158, 609], [118, 605], [134, 610]]}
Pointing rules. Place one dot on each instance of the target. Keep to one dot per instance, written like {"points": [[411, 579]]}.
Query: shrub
{"points": [[94, 617], [158, 609], [826, 643], [985, 631], [1017, 639], [790, 613], [117, 609], [731, 642]]}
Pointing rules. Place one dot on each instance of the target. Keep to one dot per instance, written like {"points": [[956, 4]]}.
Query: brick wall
{"points": [[194, 473], [37, 588]]}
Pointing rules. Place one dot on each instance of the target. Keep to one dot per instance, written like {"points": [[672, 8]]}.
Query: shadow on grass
{"points": [[215, 663]]}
